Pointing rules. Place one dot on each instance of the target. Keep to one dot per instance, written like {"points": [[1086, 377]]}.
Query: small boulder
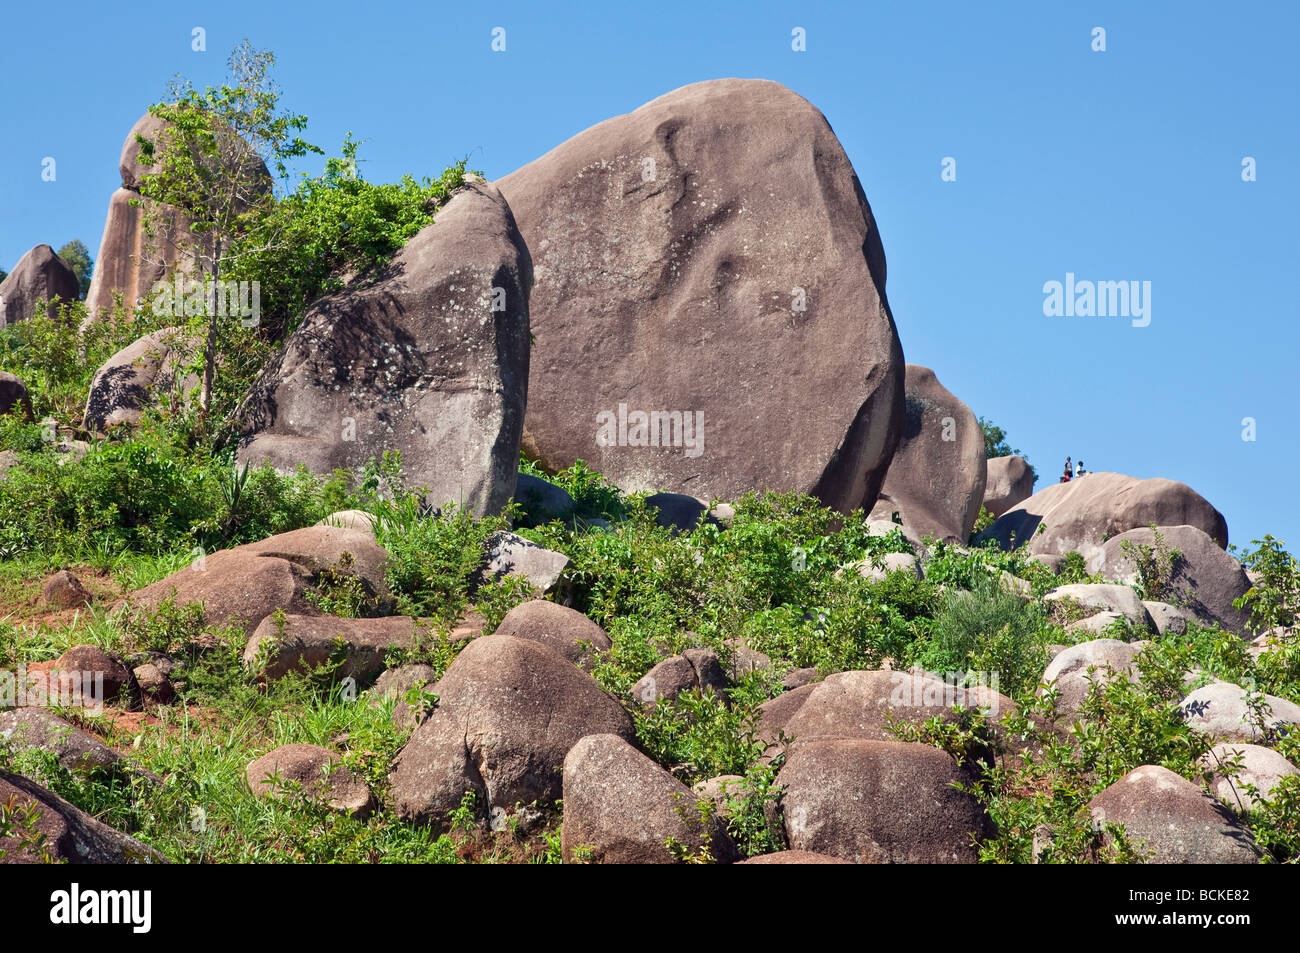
{"points": [[1221, 710], [1104, 598], [889, 563], [103, 676], [396, 684], [622, 808], [1255, 767], [311, 772], [14, 397], [695, 670], [155, 687], [301, 643], [508, 711], [1010, 482], [676, 511], [511, 555], [1074, 669], [1172, 819], [147, 372], [1166, 618], [63, 590], [40, 728], [542, 500]]}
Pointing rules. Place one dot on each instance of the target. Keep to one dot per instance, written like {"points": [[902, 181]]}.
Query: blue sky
{"points": [[1115, 165]]}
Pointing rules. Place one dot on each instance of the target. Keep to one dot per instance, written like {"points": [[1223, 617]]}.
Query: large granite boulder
{"points": [[709, 307], [1084, 513], [39, 275], [131, 261], [936, 481], [1204, 582], [430, 359]]}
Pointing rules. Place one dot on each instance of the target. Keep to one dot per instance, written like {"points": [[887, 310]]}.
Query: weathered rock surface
{"points": [[63, 590], [1173, 819], [1103, 598], [146, 372], [14, 397], [511, 555], [564, 631], [40, 728], [1009, 483], [312, 772], [695, 670], [1221, 710], [1084, 513], [721, 224], [1260, 768], [858, 704], [395, 683], [39, 275], [795, 857], [622, 808], [936, 480], [246, 584], [71, 835], [430, 359], [509, 710], [1070, 669], [1205, 579], [879, 802], [303, 642]]}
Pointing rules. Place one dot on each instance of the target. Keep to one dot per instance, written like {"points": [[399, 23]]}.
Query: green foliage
{"points": [[988, 630], [75, 255], [331, 227], [56, 358], [1275, 599], [1157, 566], [149, 495], [433, 560]]}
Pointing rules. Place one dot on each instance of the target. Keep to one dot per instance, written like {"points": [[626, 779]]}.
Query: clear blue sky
{"points": [[1122, 165]]}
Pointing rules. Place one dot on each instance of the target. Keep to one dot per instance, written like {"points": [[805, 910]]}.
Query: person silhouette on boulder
{"points": [[1065, 477]]}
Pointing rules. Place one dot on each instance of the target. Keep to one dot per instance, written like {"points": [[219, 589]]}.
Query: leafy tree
{"points": [[333, 225], [3, 274], [76, 257], [210, 162]]}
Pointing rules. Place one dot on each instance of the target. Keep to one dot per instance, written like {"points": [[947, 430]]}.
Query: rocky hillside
{"points": [[590, 516]]}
